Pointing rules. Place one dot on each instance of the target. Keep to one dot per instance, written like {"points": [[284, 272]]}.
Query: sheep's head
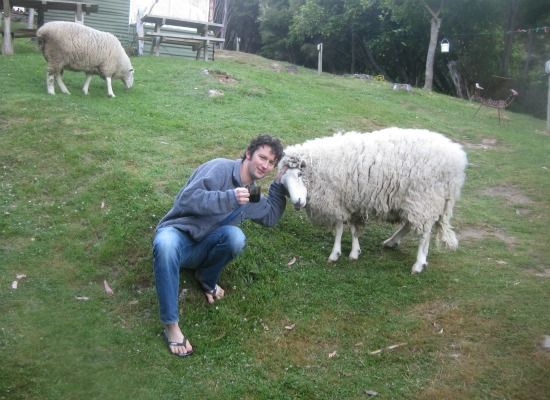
{"points": [[128, 78], [293, 181]]}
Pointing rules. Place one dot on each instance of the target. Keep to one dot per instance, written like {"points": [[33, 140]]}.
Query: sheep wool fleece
{"points": [[392, 174], [81, 48]]}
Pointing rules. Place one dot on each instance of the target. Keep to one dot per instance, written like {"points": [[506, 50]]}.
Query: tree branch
{"points": [[435, 15]]}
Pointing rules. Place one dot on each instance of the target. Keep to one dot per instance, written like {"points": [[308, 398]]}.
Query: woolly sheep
{"points": [[81, 48], [411, 176]]}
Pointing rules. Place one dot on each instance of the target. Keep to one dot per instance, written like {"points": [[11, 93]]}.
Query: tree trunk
{"points": [[456, 78], [435, 25], [225, 19], [352, 67], [7, 46], [509, 37], [377, 68], [526, 66]]}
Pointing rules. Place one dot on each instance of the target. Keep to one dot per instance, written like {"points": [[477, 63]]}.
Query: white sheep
{"points": [[411, 176], [80, 48]]}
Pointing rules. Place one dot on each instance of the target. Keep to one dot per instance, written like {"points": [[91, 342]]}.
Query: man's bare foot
{"points": [[214, 295], [177, 343]]}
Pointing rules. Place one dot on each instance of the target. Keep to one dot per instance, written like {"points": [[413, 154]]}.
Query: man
{"points": [[201, 230]]}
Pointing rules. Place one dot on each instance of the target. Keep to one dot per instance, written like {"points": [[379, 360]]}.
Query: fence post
{"points": [[238, 43], [547, 70], [30, 19], [320, 58]]}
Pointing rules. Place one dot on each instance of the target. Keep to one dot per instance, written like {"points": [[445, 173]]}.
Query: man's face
{"points": [[261, 162]]}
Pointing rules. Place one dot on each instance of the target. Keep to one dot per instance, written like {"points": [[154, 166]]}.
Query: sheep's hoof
{"points": [[333, 259], [389, 244], [418, 268]]}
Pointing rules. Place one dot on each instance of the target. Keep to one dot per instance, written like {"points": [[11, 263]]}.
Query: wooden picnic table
{"points": [[79, 7], [200, 41]]}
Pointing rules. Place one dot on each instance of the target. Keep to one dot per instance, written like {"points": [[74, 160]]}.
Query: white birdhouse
{"points": [[444, 46]]}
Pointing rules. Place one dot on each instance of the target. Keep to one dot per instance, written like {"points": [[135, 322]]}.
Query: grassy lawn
{"points": [[85, 179]]}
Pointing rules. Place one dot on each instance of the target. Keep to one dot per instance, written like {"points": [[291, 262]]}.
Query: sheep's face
{"points": [[294, 184], [129, 78]]}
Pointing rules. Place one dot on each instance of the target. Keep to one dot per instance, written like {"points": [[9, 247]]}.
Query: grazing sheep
{"points": [[81, 48], [411, 176]]}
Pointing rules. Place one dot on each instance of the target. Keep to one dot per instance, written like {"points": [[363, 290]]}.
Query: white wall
{"points": [[186, 9]]}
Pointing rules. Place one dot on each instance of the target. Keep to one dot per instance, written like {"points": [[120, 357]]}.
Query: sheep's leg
{"points": [[87, 83], [61, 84], [50, 82], [337, 248], [395, 239], [109, 87], [422, 255], [355, 248]]}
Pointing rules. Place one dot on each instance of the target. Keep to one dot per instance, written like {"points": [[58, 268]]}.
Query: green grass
{"points": [[85, 179]]}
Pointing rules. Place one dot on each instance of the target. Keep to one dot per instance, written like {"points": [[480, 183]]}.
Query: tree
{"points": [[7, 46], [509, 27], [275, 18], [243, 23], [435, 26]]}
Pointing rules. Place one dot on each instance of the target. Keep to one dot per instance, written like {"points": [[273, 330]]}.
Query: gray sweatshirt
{"points": [[208, 198]]}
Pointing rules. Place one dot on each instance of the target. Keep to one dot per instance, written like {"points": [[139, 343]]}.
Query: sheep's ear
{"points": [[302, 164]]}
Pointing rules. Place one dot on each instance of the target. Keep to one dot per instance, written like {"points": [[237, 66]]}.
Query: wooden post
{"points": [[238, 43], [78, 17], [30, 20], [7, 45], [547, 70], [320, 58]]}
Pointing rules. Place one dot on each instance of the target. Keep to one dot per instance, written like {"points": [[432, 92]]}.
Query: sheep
{"points": [[81, 48], [412, 176]]}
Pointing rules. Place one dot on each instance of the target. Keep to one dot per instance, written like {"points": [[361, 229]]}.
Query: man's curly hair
{"points": [[266, 140]]}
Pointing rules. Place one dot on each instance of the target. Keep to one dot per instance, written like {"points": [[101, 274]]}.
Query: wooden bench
{"points": [[22, 33], [200, 38], [198, 42]]}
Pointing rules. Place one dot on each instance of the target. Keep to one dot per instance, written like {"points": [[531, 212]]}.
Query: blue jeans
{"points": [[174, 250]]}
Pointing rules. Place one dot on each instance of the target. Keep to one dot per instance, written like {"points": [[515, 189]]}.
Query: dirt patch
{"points": [[542, 272], [276, 67], [511, 194], [486, 144], [459, 340], [477, 233], [223, 77]]}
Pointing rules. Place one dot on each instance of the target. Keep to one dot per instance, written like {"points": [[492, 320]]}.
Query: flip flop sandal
{"points": [[213, 292], [182, 343]]}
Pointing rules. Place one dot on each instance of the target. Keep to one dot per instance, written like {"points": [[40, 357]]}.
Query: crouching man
{"points": [[201, 231]]}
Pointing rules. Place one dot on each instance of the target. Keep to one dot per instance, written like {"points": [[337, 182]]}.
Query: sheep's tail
{"points": [[444, 230], [41, 39]]}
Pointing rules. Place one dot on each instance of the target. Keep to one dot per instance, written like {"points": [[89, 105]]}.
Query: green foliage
{"points": [[85, 179], [243, 23], [390, 37], [308, 22]]}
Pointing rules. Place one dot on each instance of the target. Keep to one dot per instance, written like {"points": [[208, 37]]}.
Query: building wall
{"points": [[113, 16]]}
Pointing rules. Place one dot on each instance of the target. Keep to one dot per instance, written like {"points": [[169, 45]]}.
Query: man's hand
{"points": [[243, 195]]}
